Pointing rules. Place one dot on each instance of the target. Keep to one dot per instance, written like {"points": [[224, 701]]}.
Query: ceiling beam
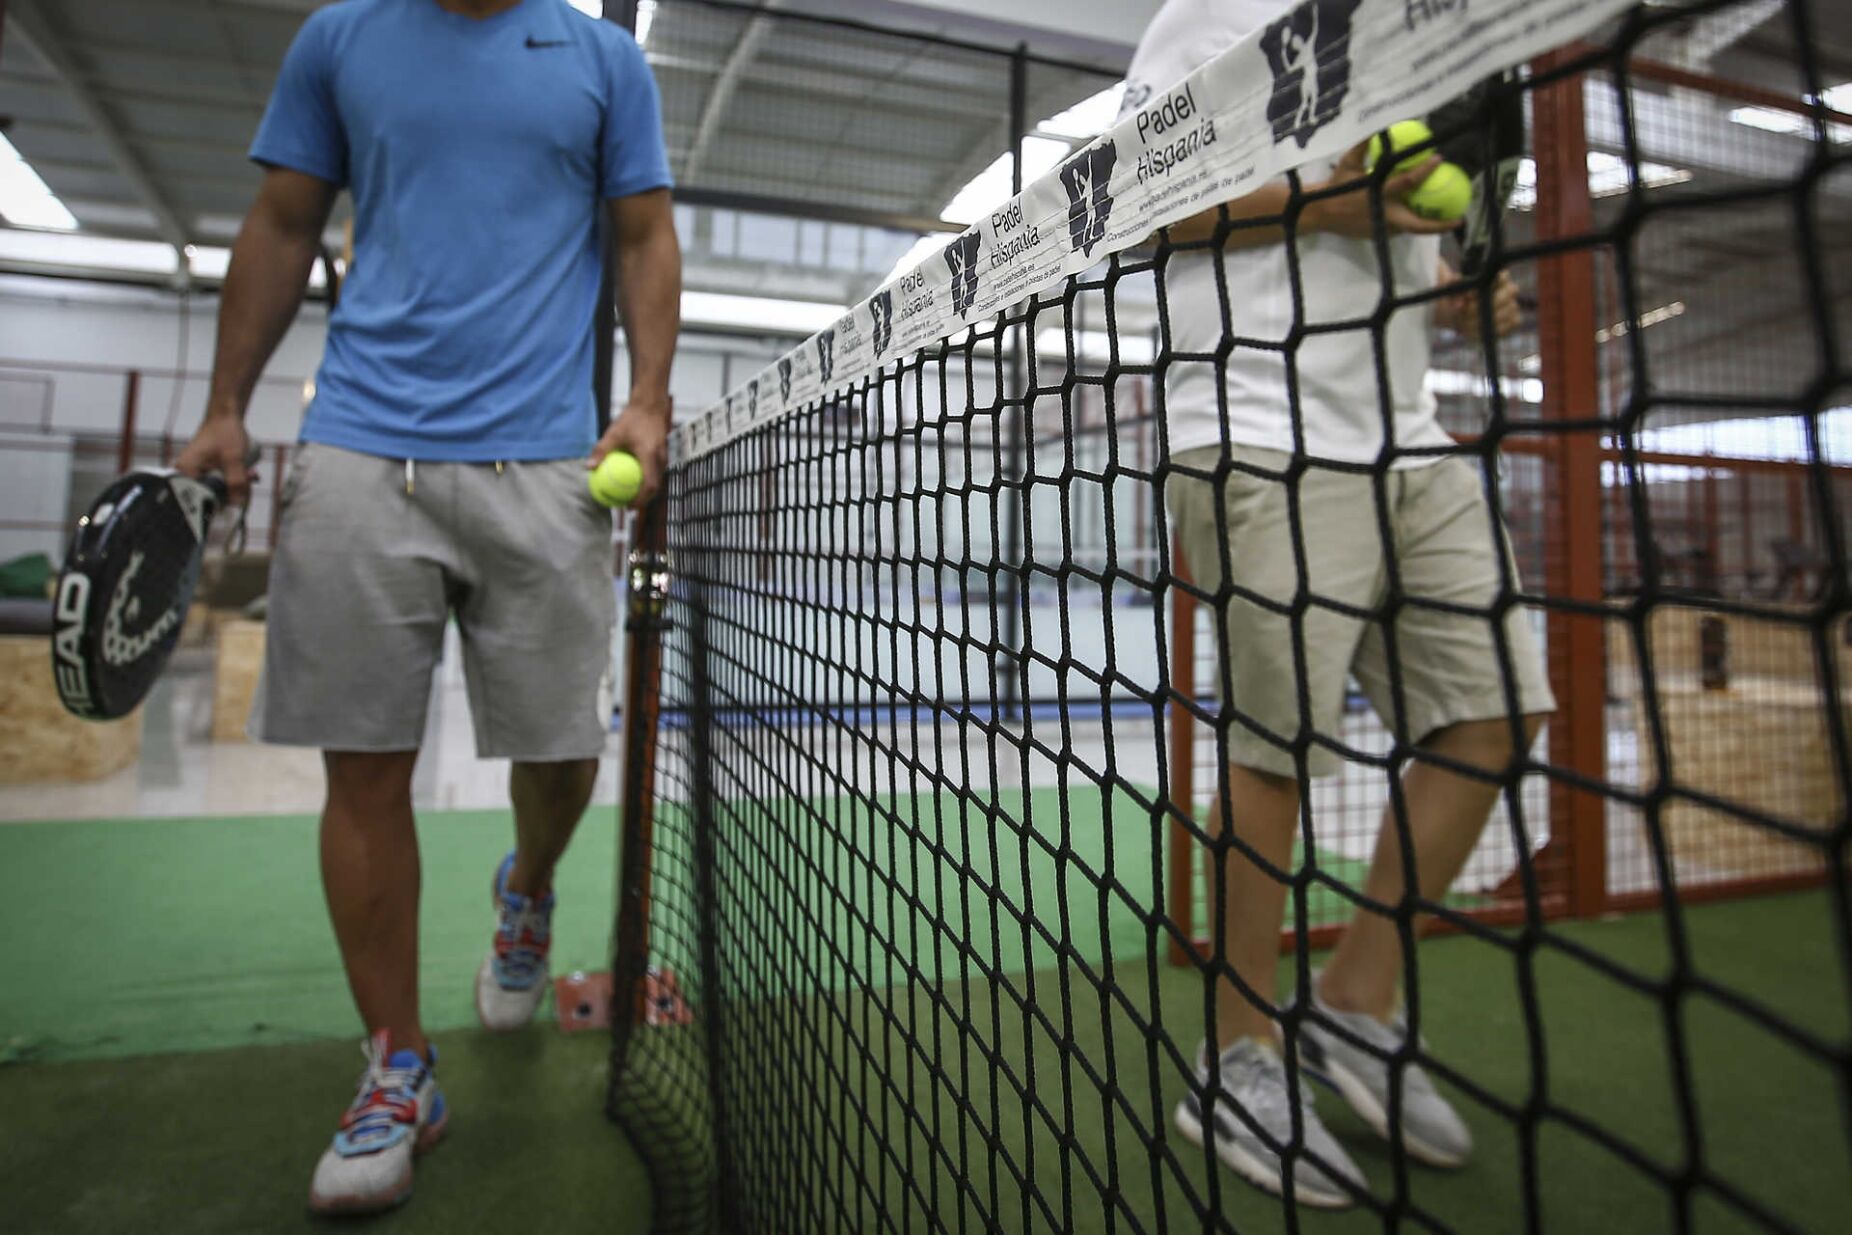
{"points": [[34, 29], [714, 111]]}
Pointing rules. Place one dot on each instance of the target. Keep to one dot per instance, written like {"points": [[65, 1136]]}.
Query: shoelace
{"points": [[388, 1096], [1389, 1039], [522, 939]]}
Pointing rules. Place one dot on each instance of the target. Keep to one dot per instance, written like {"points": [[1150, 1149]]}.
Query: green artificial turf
{"points": [[205, 933], [903, 1103], [224, 1141], [132, 936], [179, 1041]]}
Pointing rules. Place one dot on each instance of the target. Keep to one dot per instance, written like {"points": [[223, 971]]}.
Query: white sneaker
{"points": [[1254, 1083], [1432, 1131], [512, 982], [398, 1113]]}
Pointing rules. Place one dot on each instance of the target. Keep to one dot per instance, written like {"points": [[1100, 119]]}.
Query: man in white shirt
{"points": [[1296, 421]]}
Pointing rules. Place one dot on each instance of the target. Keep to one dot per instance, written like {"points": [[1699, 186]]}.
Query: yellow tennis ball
{"points": [[1404, 135], [617, 480], [1444, 195]]}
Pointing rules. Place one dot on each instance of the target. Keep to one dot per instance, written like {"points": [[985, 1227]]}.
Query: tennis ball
{"points": [[1403, 135], [1444, 195], [616, 481]]}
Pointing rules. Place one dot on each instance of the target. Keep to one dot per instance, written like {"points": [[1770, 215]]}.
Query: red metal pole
{"points": [[1573, 554], [131, 402], [1182, 787]]}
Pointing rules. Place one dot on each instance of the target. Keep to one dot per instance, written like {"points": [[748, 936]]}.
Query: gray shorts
{"points": [[366, 576], [1447, 549]]}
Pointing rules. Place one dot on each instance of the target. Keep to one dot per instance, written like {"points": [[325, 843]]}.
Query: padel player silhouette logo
{"points": [[752, 401], [881, 310], [826, 355], [784, 381], [961, 260], [1309, 53], [1087, 177]]}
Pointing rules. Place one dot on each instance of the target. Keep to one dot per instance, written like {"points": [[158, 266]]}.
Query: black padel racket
{"points": [[122, 596]]}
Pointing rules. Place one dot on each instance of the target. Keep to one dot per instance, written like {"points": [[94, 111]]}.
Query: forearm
{"points": [[649, 303], [269, 272], [1263, 211]]}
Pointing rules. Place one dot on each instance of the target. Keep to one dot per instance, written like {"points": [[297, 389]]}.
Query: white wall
{"points": [[66, 349]]}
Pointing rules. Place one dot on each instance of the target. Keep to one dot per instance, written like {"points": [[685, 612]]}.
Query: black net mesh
{"points": [[960, 769]]}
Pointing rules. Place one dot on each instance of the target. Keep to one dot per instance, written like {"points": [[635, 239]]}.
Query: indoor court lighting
{"points": [[793, 317], [591, 8], [1088, 118], [25, 199], [1607, 175], [990, 188], [1793, 124]]}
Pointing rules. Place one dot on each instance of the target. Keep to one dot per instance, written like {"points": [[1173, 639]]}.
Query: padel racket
{"points": [[122, 596], [1483, 132]]}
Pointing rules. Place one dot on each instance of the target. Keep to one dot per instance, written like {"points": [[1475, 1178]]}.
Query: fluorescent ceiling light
{"points": [[1782, 438], [1054, 139], [992, 187], [88, 252], [1088, 118], [1793, 124], [1607, 176], [25, 199], [799, 318]]}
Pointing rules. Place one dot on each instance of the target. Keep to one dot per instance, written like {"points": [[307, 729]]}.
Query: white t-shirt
{"points": [[1339, 395]]}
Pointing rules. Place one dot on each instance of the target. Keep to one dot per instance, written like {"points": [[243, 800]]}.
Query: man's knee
{"points": [[1488, 744], [565, 779], [369, 777]]}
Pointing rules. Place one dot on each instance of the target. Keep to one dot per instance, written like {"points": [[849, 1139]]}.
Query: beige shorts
{"points": [[1446, 550]]}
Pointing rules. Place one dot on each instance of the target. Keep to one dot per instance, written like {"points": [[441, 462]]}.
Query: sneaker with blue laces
{"points": [[398, 1113], [512, 983]]}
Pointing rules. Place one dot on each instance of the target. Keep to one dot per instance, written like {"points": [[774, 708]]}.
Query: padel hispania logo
{"points": [[881, 310], [784, 381], [1309, 53], [1087, 177], [961, 260], [826, 355]]}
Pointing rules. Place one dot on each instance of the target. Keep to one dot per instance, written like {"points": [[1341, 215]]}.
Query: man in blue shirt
{"points": [[442, 466]]}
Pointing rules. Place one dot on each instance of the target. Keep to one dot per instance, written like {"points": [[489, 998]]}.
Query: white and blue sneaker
{"points": [[1356, 1064], [1253, 1082], [512, 983], [398, 1113]]}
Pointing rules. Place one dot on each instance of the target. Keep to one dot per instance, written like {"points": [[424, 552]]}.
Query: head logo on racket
{"points": [[123, 594]]}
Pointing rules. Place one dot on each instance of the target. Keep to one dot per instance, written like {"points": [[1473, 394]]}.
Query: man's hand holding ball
{"points": [[628, 463]]}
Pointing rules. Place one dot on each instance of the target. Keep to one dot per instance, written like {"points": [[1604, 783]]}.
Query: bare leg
{"points": [[548, 800], [1446, 814], [370, 874], [1265, 816]]}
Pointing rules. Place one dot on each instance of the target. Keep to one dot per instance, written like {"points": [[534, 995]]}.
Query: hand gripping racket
{"points": [[123, 593]]}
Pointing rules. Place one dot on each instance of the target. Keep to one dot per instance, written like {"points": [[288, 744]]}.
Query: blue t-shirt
{"points": [[479, 153]]}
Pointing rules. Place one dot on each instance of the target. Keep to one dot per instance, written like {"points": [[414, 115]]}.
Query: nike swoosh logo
{"points": [[534, 42]]}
